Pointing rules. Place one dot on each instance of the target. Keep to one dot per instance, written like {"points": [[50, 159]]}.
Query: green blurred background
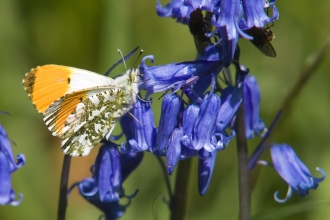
{"points": [[87, 34]]}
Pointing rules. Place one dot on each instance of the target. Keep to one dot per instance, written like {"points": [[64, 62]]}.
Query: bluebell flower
{"points": [[8, 165], [173, 150], [189, 117], [253, 122], [231, 99], [205, 169], [168, 121], [255, 14], [175, 75], [293, 171], [88, 189], [104, 189], [140, 131], [107, 173], [203, 133]]}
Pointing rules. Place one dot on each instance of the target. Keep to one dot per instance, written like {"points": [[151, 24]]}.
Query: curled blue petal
{"points": [[87, 187], [20, 160], [205, 170], [253, 122], [173, 150], [168, 121], [287, 197], [293, 170]]}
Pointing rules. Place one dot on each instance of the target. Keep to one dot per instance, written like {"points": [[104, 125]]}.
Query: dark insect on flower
{"points": [[261, 39], [198, 27]]}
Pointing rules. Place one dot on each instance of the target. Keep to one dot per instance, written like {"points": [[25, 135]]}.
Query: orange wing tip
{"points": [[45, 84]]}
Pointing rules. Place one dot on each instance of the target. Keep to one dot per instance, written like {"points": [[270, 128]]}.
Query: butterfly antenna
{"points": [[122, 57], [141, 52], [121, 60]]}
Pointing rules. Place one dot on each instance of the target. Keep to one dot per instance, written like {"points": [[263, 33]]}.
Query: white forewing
{"points": [[81, 79]]}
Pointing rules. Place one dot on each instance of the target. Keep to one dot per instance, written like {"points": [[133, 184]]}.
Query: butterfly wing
{"points": [[88, 107], [83, 120], [45, 84]]}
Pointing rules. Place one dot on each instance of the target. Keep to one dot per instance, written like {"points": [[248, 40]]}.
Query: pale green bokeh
{"points": [[86, 34]]}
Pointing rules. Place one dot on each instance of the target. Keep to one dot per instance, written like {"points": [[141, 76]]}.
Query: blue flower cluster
{"points": [[8, 165], [198, 110], [231, 19]]}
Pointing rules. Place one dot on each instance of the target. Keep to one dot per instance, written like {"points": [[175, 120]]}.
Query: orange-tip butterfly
{"points": [[80, 106]]}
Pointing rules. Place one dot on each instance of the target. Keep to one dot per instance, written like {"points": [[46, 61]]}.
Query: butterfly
{"points": [[79, 106]]}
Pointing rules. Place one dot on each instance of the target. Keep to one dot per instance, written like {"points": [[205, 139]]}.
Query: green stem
{"points": [[243, 169], [305, 75], [179, 199], [62, 202]]}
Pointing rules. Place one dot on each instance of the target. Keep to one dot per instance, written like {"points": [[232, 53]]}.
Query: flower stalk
{"points": [[243, 169], [179, 200], [63, 202]]}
